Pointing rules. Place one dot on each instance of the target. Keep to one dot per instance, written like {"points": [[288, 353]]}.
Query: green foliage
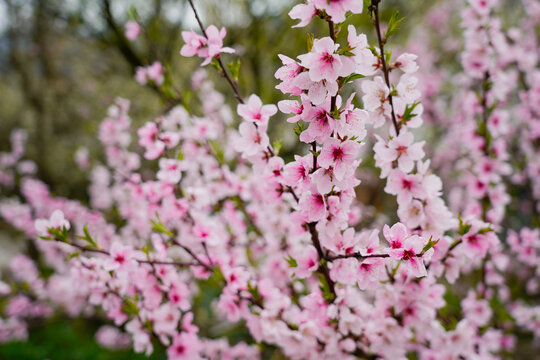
{"points": [[234, 68], [393, 24], [429, 245], [291, 261], [350, 78], [325, 289], [158, 226], [68, 339], [88, 238], [408, 113]]}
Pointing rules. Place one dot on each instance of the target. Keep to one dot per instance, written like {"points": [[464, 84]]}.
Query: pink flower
{"points": [[411, 247], [401, 148], [169, 171], [412, 213], [321, 123], [368, 242], [56, 221], [254, 111], [344, 271], [287, 74], [166, 319], [317, 91], [313, 206], [477, 311], [302, 12], [154, 72], [323, 63], [406, 62], [366, 61], [406, 89], [292, 107], [339, 155], [337, 9], [375, 100], [307, 261], [395, 235], [193, 43], [406, 187], [120, 256], [133, 30], [215, 41], [185, 346], [252, 139], [370, 272], [207, 48], [477, 242], [296, 173]]}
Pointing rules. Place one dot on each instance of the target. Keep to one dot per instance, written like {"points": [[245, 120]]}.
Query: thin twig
{"points": [[375, 12]]}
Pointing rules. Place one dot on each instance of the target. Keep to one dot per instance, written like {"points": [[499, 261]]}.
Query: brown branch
{"points": [[375, 12], [223, 71]]}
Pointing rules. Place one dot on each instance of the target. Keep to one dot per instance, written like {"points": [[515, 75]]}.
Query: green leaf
{"points": [[186, 98], [299, 129], [132, 12], [429, 245], [408, 113], [234, 68], [388, 56], [463, 227], [291, 261], [276, 145], [158, 226], [254, 291], [310, 38], [393, 24], [350, 78], [325, 289], [485, 230], [58, 234], [88, 238], [73, 255], [346, 51], [216, 65], [129, 307], [219, 274]]}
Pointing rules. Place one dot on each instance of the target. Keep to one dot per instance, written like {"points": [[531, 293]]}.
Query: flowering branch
{"points": [[224, 71], [374, 9]]}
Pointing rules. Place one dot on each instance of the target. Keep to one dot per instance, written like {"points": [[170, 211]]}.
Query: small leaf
{"points": [[408, 113], [350, 78], [72, 255], [234, 67], [485, 230], [291, 261], [325, 289], [160, 227], [393, 24], [299, 129], [429, 245], [88, 238], [129, 307], [132, 12], [276, 145], [310, 41]]}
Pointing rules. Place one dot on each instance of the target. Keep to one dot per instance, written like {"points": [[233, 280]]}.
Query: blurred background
{"points": [[63, 62]]}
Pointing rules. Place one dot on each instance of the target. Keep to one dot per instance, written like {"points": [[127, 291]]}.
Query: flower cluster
{"points": [[201, 204]]}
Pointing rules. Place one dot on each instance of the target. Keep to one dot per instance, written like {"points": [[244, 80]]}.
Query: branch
{"points": [[224, 71], [375, 12]]}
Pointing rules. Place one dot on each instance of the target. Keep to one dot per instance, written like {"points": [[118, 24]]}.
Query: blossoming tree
{"points": [[298, 261]]}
